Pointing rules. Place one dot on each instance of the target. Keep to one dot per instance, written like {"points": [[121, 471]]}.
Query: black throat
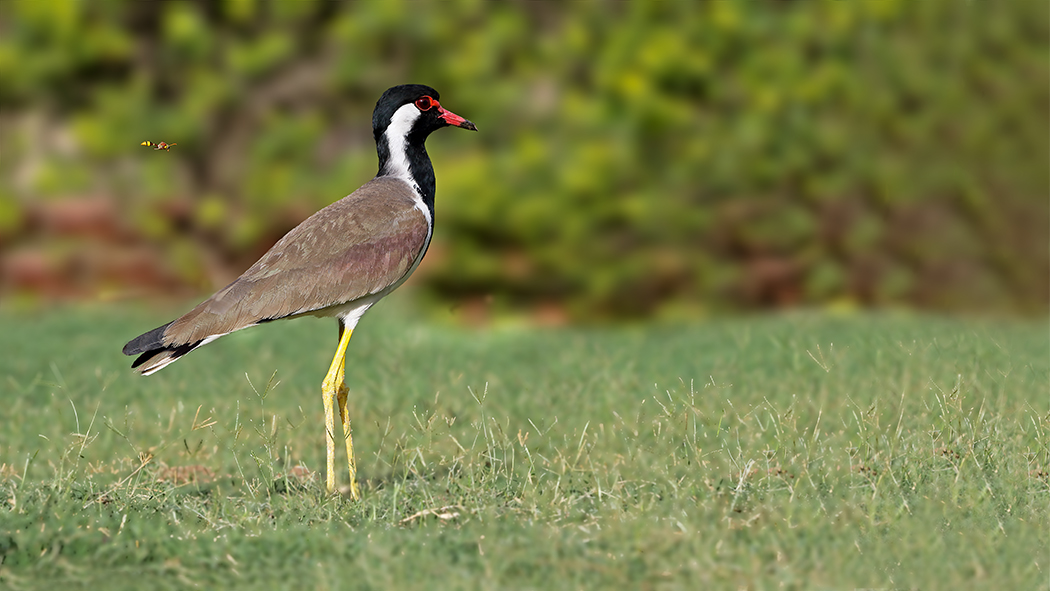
{"points": [[420, 170]]}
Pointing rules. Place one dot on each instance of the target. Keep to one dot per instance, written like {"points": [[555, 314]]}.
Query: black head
{"points": [[424, 117]]}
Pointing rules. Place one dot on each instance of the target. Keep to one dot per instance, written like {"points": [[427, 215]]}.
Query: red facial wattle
{"points": [[425, 103]]}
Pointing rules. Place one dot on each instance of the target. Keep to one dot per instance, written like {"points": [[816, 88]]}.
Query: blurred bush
{"points": [[634, 159]]}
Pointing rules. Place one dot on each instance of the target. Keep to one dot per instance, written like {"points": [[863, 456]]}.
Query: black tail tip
{"points": [[155, 359], [149, 341]]}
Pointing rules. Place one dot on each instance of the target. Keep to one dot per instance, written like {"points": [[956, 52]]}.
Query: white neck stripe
{"points": [[396, 135]]}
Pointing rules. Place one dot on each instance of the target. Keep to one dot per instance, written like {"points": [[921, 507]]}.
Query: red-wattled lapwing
{"points": [[339, 262]]}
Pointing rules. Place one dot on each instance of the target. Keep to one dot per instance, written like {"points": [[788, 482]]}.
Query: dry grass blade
{"points": [[443, 513]]}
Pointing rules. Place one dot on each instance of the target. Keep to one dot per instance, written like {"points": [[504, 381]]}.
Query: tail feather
{"points": [[154, 354], [154, 359], [149, 341]]}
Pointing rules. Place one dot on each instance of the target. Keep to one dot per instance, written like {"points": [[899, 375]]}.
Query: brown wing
{"points": [[356, 247]]}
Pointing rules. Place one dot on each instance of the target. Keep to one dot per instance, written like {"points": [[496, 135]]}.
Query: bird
{"points": [[337, 263], [159, 145]]}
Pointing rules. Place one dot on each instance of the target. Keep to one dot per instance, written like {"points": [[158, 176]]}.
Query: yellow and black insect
{"points": [[159, 145]]}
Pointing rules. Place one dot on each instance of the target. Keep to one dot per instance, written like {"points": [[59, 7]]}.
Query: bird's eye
{"points": [[425, 103]]}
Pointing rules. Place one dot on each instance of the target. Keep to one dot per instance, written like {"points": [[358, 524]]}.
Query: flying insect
{"points": [[159, 145]]}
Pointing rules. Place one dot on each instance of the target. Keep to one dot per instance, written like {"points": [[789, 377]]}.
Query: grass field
{"points": [[794, 452]]}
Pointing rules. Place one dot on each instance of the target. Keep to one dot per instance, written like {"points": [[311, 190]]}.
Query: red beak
{"points": [[453, 119]]}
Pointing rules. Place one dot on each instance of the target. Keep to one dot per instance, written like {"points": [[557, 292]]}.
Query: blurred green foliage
{"points": [[635, 159]]}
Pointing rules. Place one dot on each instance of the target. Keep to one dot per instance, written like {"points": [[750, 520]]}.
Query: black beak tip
{"points": [[469, 125]]}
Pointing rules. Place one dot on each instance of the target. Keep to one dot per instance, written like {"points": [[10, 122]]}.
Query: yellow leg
{"points": [[333, 389], [344, 415]]}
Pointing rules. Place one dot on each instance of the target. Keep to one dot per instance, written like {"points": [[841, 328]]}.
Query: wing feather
{"points": [[358, 246]]}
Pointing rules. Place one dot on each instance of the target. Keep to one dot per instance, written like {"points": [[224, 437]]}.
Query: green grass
{"points": [[799, 452]]}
